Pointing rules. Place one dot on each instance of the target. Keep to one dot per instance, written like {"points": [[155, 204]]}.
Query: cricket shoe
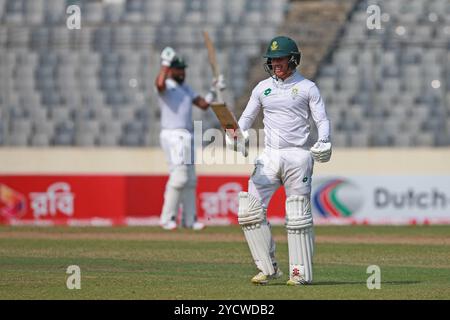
{"points": [[297, 281], [262, 278], [171, 225], [198, 226]]}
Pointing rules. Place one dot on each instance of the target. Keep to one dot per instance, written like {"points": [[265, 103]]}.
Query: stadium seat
{"points": [[40, 140]]}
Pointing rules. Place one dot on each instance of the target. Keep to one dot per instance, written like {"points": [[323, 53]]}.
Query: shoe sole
{"points": [[295, 283], [263, 282], [260, 283], [169, 229]]}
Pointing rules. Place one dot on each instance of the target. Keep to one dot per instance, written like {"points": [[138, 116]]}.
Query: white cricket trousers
{"points": [[181, 186], [290, 167]]}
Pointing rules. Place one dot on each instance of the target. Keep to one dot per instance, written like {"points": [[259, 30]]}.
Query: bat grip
{"points": [[219, 95]]}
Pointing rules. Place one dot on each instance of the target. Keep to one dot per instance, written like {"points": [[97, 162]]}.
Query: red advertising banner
{"points": [[62, 199], [218, 199], [137, 200], [114, 200]]}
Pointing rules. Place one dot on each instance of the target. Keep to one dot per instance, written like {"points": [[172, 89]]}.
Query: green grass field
{"points": [[149, 263]]}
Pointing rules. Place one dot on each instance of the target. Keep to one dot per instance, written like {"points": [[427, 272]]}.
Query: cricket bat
{"points": [[223, 113], [213, 61], [229, 123]]}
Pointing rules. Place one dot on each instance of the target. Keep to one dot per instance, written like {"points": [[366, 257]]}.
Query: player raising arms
{"points": [[176, 99], [288, 100]]}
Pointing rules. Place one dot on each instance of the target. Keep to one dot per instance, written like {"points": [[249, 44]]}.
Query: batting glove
{"points": [[219, 83], [167, 56], [321, 151], [236, 144]]}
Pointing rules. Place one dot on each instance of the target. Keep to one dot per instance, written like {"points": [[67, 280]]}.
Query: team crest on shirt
{"points": [[294, 93]]}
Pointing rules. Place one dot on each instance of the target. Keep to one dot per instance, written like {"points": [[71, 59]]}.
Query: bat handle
{"points": [[219, 95]]}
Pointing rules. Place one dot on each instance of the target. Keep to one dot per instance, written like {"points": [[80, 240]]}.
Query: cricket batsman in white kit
{"points": [[288, 100], [176, 100]]}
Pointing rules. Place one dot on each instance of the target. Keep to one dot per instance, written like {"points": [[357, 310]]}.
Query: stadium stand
{"points": [[391, 86], [94, 86]]}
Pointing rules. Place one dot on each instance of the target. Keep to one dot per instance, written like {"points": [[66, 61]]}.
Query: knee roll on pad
{"points": [[252, 218], [298, 213], [299, 225], [250, 209], [179, 177]]}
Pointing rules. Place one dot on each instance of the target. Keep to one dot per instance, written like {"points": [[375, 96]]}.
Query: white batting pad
{"points": [[188, 201], [180, 187], [188, 198], [299, 225], [252, 218], [171, 202]]}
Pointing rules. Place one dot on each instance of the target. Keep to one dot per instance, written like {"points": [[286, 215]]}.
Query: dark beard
{"points": [[179, 80]]}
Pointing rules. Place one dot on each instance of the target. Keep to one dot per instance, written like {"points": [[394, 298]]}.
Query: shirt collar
{"points": [[293, 78]]}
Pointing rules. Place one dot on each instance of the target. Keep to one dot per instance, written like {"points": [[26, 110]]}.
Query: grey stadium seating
{"points": [[399, 76], [94, 86]]}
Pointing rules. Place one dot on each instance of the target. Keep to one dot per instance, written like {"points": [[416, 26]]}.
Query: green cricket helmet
{"points": [[279, 47], [178, 63]]}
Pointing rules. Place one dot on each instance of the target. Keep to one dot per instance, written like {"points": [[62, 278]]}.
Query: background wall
{"points": [[151, 161]]}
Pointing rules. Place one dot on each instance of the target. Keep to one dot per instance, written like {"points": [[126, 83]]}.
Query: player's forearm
{"points": [[245, 122], [323, 129], [160, 81], [249, 115]]}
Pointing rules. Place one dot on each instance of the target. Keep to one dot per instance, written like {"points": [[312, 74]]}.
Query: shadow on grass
{"points": [[334, 283]]}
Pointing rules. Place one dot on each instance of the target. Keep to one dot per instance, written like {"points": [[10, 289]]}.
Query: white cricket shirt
{"points": [[287, 107], [176, 106]]}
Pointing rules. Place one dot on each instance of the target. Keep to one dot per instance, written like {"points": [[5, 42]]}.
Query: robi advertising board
{"points": [[65, 200]]}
